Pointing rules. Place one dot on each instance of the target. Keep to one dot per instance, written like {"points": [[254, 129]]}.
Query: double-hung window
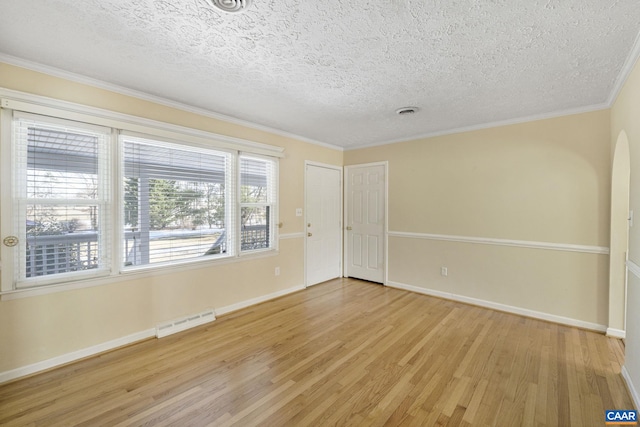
{"points": [[62, 202], [175, 202], [90, 200], [257, 200]]}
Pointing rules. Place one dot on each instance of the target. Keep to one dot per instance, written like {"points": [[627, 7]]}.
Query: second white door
{"points": [[365, 203], [323, 223]]}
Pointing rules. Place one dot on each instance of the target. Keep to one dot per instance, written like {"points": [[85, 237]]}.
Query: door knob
{"points": [[309, 234], [349, 228]]}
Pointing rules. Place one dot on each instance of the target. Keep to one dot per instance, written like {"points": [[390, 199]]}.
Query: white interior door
{"points": [[365, 222], [323, 189]]}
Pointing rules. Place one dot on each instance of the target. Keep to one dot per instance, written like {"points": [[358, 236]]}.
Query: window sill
{"points": [[133, 274]]}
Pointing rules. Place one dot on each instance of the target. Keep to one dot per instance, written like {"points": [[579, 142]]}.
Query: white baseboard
{"points": [[75, 355], [258, 300], [119, 342], [632, 390], [502, 307], [616, 333]]}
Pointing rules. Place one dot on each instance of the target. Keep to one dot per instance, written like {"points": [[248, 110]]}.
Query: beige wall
{"points": [[36, 329], [542, 181], [625, 116]]}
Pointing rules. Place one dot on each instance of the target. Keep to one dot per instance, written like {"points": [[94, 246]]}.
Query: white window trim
{"points": [[129, 275], [11, 101], [41, 105], [230, 185], [105, 202], [275, 215]]}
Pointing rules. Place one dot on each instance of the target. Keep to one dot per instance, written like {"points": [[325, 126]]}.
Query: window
{"points": [[88, 203], [257, 200], [175, 202], [61, 199]]}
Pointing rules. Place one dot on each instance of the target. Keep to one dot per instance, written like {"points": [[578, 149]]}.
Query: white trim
{"points": [[633, 268], [21, 101], [129, 339], [77, 78], [632, 390], [322, 165], [625, 71], [244, 304], [386, 223], [601, 250], [133, 274], [501, 307], [6, 209], [288, 236], [490, 125], [75, 355], [616, 333]]}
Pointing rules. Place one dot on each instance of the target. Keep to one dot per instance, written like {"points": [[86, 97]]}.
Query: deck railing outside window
{"points": [[70, 252]]}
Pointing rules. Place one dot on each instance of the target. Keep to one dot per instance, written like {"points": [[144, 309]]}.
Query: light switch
{"points": [[299, 212]]}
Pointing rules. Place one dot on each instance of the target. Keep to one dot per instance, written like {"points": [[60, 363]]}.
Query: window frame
{"points": [[229, 182], [273, 204], [104, 199], [119, 123]]}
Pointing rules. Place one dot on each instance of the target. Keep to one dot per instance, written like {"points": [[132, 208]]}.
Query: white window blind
{"points": [[257, 203], [61, 199], [176, 202], [166, 194]]}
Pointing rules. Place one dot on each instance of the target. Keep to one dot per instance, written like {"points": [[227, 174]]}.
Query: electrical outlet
{"points": [[444, 271], [277, 271], [299, 212]]}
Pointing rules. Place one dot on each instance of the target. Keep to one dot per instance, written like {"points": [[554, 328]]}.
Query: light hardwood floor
{"points": [[344, 352]]}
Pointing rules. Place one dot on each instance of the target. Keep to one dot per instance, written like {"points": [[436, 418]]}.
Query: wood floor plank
{"points": [[345, 352]]}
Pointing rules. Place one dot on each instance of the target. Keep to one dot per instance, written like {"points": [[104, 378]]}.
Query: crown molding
{"points": [[100, 84], [490, 125], [631, 61]]}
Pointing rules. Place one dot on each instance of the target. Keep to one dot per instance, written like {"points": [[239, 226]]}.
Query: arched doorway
{"points": [[619, 243]]}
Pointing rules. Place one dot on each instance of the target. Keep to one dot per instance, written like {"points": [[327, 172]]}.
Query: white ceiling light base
{"points": [[231, 5]]}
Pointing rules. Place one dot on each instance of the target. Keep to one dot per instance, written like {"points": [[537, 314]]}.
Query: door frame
{"points": [[306, 205], [385, 230], [621, 218]]}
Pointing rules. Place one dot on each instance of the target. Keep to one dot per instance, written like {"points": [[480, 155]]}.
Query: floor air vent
{"points": [[185, 323]]}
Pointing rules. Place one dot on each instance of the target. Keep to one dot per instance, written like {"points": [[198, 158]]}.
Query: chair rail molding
{"points": [[566, 247]]}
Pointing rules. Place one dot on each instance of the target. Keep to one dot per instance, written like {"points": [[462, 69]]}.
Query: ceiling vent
{"points": [[405, 111], [231, 5]]}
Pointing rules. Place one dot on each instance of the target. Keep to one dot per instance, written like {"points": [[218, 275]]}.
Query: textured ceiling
{"points": [[335, 72]]}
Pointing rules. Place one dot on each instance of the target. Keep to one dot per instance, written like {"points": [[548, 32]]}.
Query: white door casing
{"points": [[323, 223], [365, 220]]}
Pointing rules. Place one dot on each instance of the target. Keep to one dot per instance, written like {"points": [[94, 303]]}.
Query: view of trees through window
{"points": [[176, 201], [177, 204]]}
